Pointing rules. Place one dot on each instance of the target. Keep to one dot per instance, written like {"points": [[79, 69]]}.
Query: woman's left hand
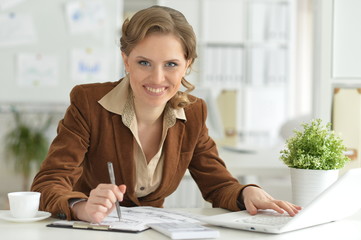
{"points": [[256, 198]]}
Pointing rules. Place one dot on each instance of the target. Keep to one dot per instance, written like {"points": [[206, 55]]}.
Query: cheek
{"points": [[177, 80], [134, 81], [136, 76]]}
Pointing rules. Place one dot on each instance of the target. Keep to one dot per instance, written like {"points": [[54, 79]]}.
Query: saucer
{"points": [[6, 215]]}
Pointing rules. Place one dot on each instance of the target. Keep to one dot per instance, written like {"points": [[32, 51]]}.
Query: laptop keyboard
{"points": [[271, 220]]}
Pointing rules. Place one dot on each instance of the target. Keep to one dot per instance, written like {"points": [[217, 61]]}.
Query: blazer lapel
{"points": [[171, 149], [124, 142]]}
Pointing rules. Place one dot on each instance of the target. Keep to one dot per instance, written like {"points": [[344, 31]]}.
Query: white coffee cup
{"points": [[24, 204]]}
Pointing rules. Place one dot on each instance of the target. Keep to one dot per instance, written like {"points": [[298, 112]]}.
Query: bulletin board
{"points": [[48, 47]]}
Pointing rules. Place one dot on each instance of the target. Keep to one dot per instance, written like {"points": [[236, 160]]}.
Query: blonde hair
{"points": [[163, 20]]}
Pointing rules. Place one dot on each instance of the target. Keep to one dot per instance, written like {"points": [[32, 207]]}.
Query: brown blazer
{"points": [[89, 136]]}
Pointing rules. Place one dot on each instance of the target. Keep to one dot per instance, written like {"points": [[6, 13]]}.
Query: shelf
{"points": [[244, 47]]}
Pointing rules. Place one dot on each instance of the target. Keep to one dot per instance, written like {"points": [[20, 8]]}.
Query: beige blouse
{"points": [[120, 101]]}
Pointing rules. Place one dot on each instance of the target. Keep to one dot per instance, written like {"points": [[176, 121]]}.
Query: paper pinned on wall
{"points": [[36, 70], [85, 16], [16, 29], [89, 65], [7, 4]]}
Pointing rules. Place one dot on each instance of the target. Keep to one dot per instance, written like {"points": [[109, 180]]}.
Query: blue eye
{"points": [[171, 64], [144, 63]]}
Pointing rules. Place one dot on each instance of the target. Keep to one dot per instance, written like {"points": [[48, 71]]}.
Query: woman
{"points": [[145, 126]]}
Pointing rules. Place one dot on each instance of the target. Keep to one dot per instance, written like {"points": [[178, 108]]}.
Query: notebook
{"points": [[341, 199]]}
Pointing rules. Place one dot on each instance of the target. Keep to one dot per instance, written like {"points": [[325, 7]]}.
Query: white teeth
{"points": [[155, 90]]}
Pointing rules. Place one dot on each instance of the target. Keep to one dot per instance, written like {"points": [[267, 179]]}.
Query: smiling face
{"points": [[156, 66]]}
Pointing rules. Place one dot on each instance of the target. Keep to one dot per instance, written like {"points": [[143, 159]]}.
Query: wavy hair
{"points": [[165, 20]]}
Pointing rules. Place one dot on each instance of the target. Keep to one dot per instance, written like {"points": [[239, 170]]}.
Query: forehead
{"points": [[160, 44]]}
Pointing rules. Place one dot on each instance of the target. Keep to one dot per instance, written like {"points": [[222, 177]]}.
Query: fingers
{"points": [[123, 188], [290, 208], [97, 217], [102, 200], [278, 206], [87, 211], [109, 191], [251, 209], [256, 198], [281, 207]]}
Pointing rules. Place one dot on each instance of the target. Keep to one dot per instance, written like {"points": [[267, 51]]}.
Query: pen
{"points": [[112, 180]]}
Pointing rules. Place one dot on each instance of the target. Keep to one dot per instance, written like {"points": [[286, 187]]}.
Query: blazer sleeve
{"points": [[62, 167], [215, 182]]}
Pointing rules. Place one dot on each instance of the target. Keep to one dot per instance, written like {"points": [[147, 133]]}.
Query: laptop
{"points": [[340, 200]]}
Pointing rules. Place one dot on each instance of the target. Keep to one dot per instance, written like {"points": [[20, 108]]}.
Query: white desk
{"points": [[349, 228]]}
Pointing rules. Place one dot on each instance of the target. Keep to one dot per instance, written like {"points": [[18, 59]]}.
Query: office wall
{"points": [[47, 47], [60, 44]]}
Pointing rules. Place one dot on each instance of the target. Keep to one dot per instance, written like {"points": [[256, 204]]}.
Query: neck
{"points": [[148, 115]]}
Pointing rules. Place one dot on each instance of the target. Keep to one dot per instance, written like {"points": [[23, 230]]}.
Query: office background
{"points": [[263, 65]]}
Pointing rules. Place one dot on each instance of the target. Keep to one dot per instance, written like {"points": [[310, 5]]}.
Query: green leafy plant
{"points": [[316, 147], [26, 146]]}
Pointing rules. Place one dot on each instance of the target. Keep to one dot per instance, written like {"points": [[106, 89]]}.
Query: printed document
{"points": [[134, 219]]}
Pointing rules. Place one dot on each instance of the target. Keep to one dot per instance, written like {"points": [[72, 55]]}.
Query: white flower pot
{"points": [[307, 184]]}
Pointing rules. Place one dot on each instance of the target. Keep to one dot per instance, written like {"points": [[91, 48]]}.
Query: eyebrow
{"points": [[150, 60]]}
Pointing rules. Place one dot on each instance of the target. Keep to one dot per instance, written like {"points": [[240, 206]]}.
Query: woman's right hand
{"points": [[101, 203]]}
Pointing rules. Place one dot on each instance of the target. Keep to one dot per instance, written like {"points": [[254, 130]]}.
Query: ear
{"points": [[125, 60], [188, 63], [187, 66]]}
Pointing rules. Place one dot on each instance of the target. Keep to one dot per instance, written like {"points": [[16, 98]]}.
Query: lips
{"points": [[155, 90]]}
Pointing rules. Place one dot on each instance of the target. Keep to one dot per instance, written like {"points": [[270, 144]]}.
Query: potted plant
{"points": [[26, 146], [314, 156]]}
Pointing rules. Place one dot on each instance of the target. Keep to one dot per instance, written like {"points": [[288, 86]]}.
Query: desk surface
{"points": [[349, 228]]}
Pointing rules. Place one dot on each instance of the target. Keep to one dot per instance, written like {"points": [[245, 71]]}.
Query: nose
{"points": [[158, 75]]}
